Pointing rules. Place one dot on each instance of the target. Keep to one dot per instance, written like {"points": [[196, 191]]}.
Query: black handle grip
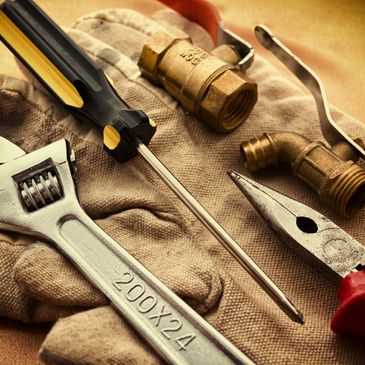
{"points": [[70, 74]]}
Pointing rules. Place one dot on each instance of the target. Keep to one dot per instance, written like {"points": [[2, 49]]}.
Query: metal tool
{"points": [[9, 149], [330, 130], [82, 88], [39, 194], [207, 84], [321, 242], [206, 15], [331, 172]]}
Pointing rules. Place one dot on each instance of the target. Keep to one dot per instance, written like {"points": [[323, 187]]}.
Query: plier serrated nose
{"points": [[319, 241]]}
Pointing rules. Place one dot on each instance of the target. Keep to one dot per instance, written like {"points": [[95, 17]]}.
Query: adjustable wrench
{"points": [[83, 88], [38, 197]]}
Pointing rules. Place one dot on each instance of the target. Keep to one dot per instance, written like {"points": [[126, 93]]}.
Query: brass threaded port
{"points": [[227, 102], [346, 194], [339, 183], [206, 85]]}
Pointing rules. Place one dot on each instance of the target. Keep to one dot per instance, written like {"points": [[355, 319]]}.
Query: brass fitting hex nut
{"points": [[154, 50], [229, 100], [206, 85]]}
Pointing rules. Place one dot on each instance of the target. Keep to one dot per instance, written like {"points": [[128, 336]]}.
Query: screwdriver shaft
{"points": [[219, 233]]}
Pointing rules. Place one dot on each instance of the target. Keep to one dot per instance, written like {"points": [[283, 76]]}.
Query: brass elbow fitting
{"points": [[208, 85], [333, 173]]}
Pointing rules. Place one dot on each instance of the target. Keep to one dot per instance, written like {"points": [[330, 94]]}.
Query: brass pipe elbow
{"points": [[333, 173], [208, 85]]}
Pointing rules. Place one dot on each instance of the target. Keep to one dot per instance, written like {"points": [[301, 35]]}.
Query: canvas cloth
{"points": [[132, 205]]}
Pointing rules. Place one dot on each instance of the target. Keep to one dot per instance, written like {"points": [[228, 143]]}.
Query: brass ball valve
{"points": [[208, 85]]}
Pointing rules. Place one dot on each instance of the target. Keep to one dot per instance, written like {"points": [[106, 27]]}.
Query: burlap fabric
{"points": [[131, 204]]}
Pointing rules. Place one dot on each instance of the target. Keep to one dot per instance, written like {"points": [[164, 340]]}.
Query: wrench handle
{"points": [[167, 323]]}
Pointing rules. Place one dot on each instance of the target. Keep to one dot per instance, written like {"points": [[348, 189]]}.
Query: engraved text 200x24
{"points": [[170, 326]]}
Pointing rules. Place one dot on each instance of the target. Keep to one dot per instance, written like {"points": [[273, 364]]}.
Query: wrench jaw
{"points": [[9, 151], [34, 186]]}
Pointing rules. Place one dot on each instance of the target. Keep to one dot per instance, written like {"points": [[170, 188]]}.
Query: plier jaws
{"points": [[312, 235]]}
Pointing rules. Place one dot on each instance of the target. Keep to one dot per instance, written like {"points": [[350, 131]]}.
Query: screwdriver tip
{"points": [[291, 311], [298, 318]]}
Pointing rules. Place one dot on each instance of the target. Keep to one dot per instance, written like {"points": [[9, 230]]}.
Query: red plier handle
{"points": [[206, 15], [350, 316]]}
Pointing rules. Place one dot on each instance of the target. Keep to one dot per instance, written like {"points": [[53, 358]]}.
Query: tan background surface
{"points": [[328, 36]]}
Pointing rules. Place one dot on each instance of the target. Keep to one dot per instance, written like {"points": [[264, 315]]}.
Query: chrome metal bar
{"points": [[172, 328], [331, 131], [220, 234], [169, 325]]}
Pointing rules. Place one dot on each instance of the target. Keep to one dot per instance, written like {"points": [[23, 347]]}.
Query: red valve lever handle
{"points": [[198, 11], [350, 316]]}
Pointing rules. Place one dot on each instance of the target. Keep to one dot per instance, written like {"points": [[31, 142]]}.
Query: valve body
{"points": [[207, 84]]}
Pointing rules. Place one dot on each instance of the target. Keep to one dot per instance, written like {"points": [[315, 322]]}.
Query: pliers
{"points": [[321, 242]]}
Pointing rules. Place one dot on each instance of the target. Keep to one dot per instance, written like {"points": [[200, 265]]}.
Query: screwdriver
{"points": [[86, 91]]}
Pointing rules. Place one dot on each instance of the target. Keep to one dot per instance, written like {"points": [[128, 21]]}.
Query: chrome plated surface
{"points": [[174, 330], [312, 235], [330, 130], [244, 48], [9, 151], [220, 234]]}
